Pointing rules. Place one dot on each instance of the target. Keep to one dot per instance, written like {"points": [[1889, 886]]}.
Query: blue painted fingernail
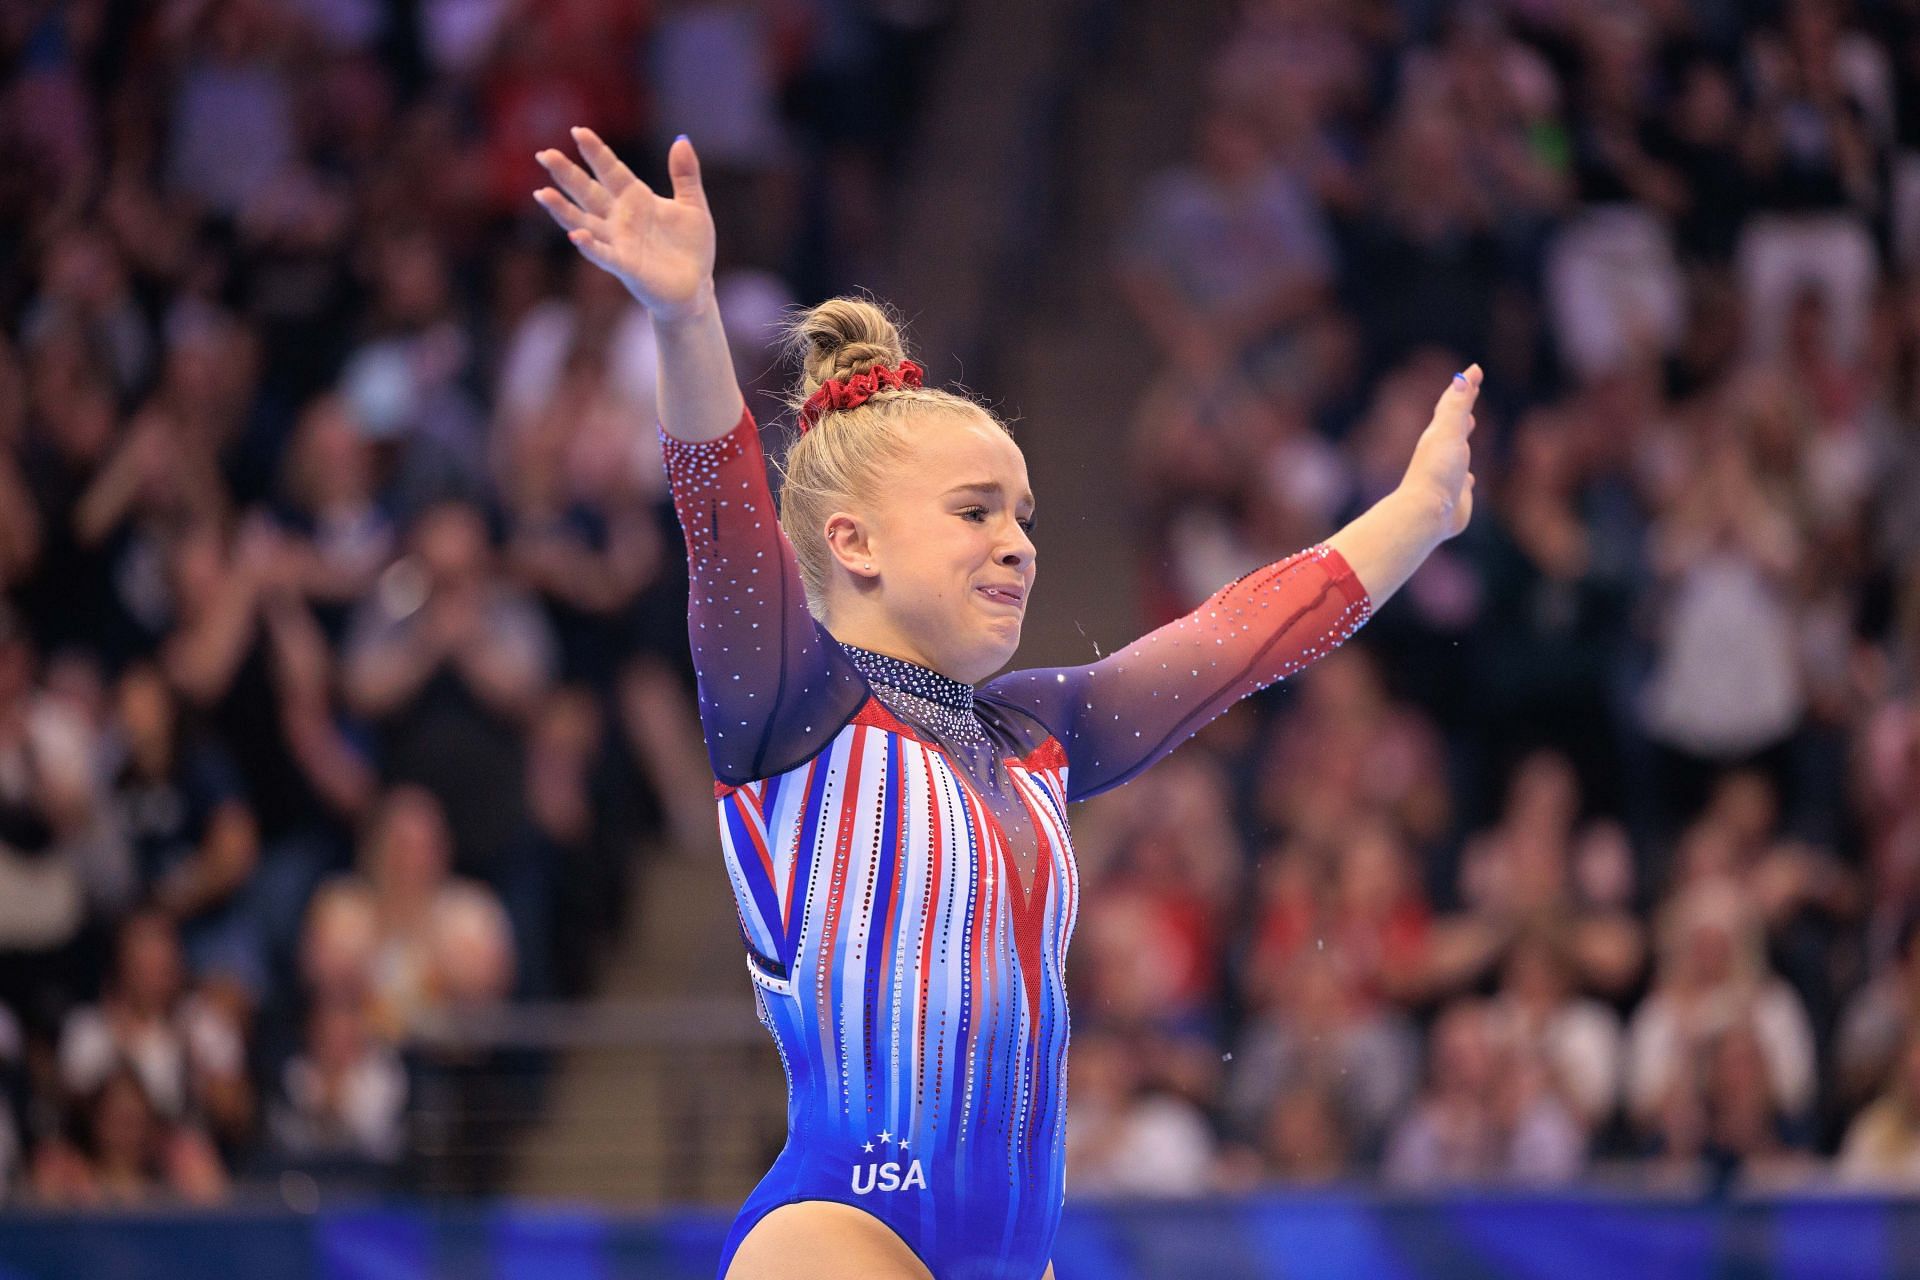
{"points": [[1459, 377], [680, 137]]}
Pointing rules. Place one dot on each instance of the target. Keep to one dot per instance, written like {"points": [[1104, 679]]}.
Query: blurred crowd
{"points": [[343, 660], [1597, 855], [342, 641]]}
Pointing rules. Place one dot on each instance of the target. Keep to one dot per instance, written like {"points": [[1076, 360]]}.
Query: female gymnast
{"points": [[895, 829]]}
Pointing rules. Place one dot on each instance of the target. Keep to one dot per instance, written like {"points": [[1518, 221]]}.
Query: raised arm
{"points": [[774, 687], [1119, 715], [661, 249]]}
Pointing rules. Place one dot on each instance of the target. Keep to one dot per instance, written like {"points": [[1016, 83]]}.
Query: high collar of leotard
{"points": [[911, 677]]}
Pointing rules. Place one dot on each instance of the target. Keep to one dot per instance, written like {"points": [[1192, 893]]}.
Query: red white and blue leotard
{"points": [[898, 847]]}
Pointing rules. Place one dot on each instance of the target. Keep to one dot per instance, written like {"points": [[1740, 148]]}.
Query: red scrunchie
{"points": [[848, 393]]}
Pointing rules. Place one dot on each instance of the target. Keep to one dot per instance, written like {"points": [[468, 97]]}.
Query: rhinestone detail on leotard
{"points": [[940, 702]]}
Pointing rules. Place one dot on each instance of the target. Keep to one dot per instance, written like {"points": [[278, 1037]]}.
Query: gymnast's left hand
{"points": [[1441, 470]]}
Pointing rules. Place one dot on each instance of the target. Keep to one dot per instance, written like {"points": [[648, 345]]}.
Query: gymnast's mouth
{"points": [[1004, 594]]}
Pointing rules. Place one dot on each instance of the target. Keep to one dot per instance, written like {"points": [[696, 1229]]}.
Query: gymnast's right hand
{"points": [[660, 248]]}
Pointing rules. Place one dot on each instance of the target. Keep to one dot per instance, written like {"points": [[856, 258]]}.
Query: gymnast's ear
{"points": [[849, 539]]}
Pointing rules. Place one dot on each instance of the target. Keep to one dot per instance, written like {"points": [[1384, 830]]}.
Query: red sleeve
{"points": [[1119, 715]]}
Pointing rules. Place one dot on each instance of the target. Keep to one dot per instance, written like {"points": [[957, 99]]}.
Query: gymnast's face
{"points": [[951, 548]]}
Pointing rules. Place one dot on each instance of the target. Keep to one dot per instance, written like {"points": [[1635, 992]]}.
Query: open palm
{"points": [[661, 248]]}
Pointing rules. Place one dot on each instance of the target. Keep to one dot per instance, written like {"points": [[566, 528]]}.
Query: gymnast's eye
{"points": [[1029, 523]]}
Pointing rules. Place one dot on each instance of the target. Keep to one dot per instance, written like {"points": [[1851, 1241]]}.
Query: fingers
{"points": [[594, 250], [1456, 402], [569, 215], [608, 167], [684, 166], [576, 182], [582, 228]]}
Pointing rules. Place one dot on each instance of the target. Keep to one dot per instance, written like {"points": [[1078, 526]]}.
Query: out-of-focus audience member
{"points": [[1882, 1146], [1128, 1135], [1535, 870], [344, 1096], [1878, 1023], [64, 863], [124, 1153], [1711, 978], [187, 1050], [1723, 1124], [1323, 1031], [1489, 1113], [1353, 749], [439, 941], [1579, 1040], [449, 661], [194, 836]]}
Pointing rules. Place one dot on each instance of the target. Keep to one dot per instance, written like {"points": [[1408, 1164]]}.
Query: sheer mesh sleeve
{"points": [[1119, 715], [774, 687]]}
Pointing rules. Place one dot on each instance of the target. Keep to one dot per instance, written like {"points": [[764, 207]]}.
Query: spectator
{"points": [[581, 532], [570, 900], [1699, 143], [406, 383], [340, 534], [1127, 1137], [1804, 896], [1726, 686], [233, 127], [1229, 260], [73, 586], [85, 289], [1813, 152], [1725, 1120], [340, 942], [449, 661], [1878, 1022], [343, 1099], [64, 864], [598, 327], [1487, 1115], [1154, 937], [238, 657], [1361, 897], [1882, 1146], [1555, 612], [1579, 1041], [187, 1050], [1429, 243], [1351, 749], [1534, 871], [1320, 1033], [124, 1154], [1612, 278], [439, 942], [1711, 976], [1302, 1141], [194, 837]]}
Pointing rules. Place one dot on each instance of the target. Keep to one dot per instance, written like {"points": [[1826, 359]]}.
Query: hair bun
{"points": [[842, 337]]}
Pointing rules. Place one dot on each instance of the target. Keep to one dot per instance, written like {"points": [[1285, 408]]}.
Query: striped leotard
{"points": [[899, 852]]}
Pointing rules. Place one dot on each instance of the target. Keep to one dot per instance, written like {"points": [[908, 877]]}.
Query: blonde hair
{"points": [[841, 460]]}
